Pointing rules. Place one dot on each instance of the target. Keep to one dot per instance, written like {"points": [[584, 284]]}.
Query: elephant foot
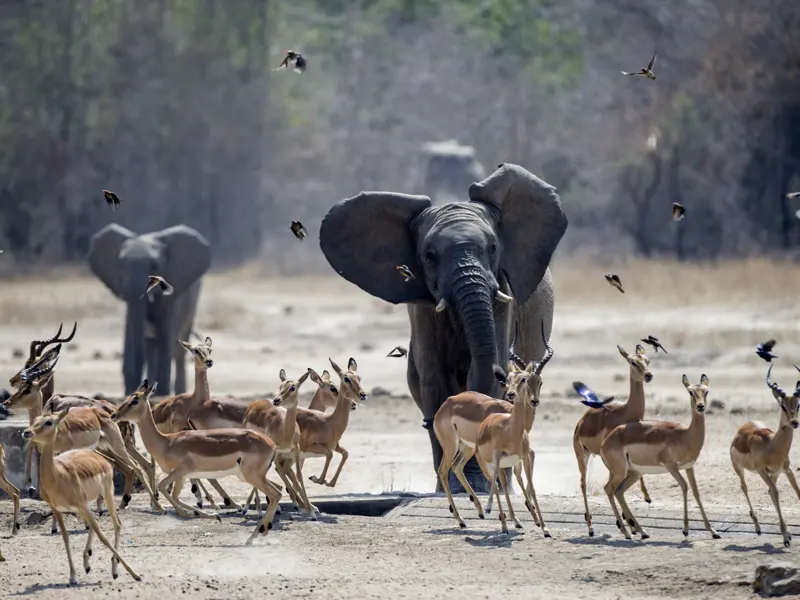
{"points": [[477, 481]]}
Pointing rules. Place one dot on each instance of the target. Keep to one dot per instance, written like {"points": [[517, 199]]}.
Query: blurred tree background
{"points": [[174, 105]]}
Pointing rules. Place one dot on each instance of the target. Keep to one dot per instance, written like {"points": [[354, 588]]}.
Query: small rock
{"points": [[17, 353], [366, 347], [97, 355], [37, 517], [379, 391], [777, 579], [737, 410], [266, 350], [287, 310], [715, 403]]}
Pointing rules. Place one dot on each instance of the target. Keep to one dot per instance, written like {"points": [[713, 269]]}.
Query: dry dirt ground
{"points": [[709, 318]]}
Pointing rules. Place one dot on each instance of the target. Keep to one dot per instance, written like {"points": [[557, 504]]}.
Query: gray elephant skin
{"points": [[155, 322], [461, 254]]}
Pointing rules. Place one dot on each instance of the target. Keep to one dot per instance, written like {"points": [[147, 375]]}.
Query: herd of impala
{"points": [[192, 435]]}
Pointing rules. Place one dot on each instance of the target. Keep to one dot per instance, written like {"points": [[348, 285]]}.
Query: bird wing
{"points": [[626, 73], [616, 279], [652, 62], [769, 345], [284, 62], [585, 391]]}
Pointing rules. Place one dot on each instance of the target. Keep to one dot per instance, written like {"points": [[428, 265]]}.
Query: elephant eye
{"points": [[492, 248], [430, 255]]}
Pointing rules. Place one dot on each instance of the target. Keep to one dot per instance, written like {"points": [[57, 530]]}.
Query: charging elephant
{"points": [[468, 259], [155, 321]]}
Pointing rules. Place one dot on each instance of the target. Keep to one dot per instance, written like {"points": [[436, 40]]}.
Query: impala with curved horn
{"points": [[758, 448], [458, 421]]}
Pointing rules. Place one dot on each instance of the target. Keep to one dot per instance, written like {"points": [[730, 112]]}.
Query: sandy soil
{"points": [[706, 319]]}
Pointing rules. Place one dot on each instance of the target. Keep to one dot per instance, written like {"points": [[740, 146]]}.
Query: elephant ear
{"points": [[188, 256], [532, 223], [104, 255], [366, 237]]}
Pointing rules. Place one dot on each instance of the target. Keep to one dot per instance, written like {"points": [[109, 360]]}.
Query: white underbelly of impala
{"points": [[657, 469]]}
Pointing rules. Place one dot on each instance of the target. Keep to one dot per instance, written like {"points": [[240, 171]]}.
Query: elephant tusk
{"points": [[503, 297], [441, 306]]}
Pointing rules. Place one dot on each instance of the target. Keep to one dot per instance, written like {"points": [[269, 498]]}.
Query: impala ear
{"points": [[326, 377], [303, 377], [685, 382], [337, 369], [640, 350], [704, 380], [282, 375], [352, 365]]}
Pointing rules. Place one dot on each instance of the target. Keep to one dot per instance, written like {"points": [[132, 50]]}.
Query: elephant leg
{"points": [[163, 357]]}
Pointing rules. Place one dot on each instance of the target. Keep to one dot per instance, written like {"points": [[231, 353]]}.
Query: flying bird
{"points": [[405, 272], [397, 352], [589, 398], [678, 211], [112, 199], [647, 71], [295, 60], [154, 281], [653, 341], [614, 281], [764, 350], [298, 230], [793, 195]]}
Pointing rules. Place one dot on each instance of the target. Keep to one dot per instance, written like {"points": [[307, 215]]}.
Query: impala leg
{"points": [[59, 518], [253, 492], [328, 456], [673, 470], [496, 490], [504, 484], [29, 454], [443, 471], [183, 509], [627, 513], [582, 456], [273, 496], [787, 469], [696, 494], [773, 494], [740, 472], [146, 467], [644, 491], [521, 483], [10, 489], [226, 498], [92, 520], [344, 455], [531, 492], [462, 457], [280, 468], [617, 466], [87, 551], [297, 481]]}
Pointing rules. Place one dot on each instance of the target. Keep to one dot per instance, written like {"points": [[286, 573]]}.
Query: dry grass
{"points": [[673, 284]]}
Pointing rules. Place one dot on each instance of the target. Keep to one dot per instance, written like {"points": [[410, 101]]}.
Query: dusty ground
{"points": [[708, 318]]}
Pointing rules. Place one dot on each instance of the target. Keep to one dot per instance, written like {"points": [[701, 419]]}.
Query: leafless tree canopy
{"points": [[173, 104]]}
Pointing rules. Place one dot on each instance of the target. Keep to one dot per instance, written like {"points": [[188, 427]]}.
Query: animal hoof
{"points": [[194, 488], [53, 531], [227, 501], [488, 511], [199, 504], [685, 532], [115, 575], [715, 535], [196, 514], [137, 577], [648, 500], [88, 569], [73, 581], [547, 534], [645, 536], [591, 533], [17, 526], [787, 543], [31, 492], [462, 525], [218, 518], [518, 525], [481, 516], [126, 498]]}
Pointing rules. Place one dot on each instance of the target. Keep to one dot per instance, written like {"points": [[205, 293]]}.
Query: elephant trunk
{"points": [[134, 355], [472, 294]]}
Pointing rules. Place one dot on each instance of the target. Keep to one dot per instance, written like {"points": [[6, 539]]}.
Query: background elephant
{"points": [[462, 254], [445, 170], [154, 323]]}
